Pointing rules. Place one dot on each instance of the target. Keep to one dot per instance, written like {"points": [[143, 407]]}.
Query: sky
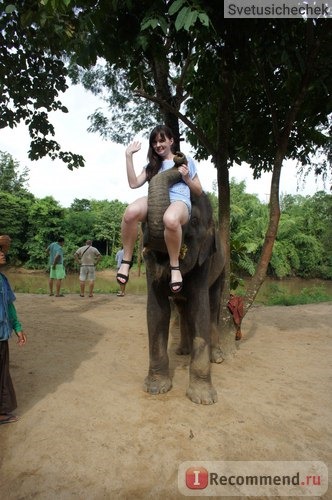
{"points": [[104, 175]]}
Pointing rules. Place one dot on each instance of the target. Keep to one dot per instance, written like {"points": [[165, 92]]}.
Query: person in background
{"points": [[88, 257], [119, 258], [8, 322], [57, 269]]}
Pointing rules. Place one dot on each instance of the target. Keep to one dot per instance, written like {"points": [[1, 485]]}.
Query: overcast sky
{"points": [[104, 174]]}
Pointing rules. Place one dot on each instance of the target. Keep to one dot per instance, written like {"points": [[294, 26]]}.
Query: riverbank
{"points": [[283, 292], [87, 429]]}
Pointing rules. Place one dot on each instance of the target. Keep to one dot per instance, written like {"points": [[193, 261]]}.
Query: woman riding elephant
{"points": [[177, 213]]}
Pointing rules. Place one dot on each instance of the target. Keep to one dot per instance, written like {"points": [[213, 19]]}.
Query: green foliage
{"points": [[248, 221], [303, 243], [107, 225], [32, 74], [302, 247], [106, 262], [11, 180], [129, 115], [45, 224], [34, 223], [306, 296], [14, 222]]}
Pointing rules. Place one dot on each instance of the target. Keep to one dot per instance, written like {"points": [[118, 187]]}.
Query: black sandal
{"points": [[176, 284], [125, 277]]}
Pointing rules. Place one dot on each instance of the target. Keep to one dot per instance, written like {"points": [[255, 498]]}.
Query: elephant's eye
{"points": [[194, 221]]}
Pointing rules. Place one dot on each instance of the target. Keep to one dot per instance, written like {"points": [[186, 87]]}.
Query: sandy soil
{"points": [[88, 431]]}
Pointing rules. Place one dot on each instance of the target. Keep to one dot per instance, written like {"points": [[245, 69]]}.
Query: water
{"points": [[37, 282]]}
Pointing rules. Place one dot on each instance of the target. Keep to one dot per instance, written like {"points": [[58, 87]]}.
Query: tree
{"points": [[302, 246], [107, 226], [11, 180], [45, 219], [248, 222], [15, 201], [32, 74], [13, 221]]}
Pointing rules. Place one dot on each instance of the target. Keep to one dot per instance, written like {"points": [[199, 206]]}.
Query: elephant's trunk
{"points": [[158, 202]]}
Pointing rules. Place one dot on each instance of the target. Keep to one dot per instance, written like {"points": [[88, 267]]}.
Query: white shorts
{"points": [[87, 273]]}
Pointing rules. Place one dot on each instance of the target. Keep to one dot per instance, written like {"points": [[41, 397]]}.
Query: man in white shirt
{"points": [[88, 257]]}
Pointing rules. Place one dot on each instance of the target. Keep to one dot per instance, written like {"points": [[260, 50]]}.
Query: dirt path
{"points": [[88, 431]]}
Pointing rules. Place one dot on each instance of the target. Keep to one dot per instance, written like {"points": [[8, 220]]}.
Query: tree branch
{"points": [[310, 66], [268, 93], [164, 104]]}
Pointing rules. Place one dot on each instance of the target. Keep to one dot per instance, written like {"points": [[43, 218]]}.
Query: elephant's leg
{"points": [[200, 388], [216, 354], [158, 317], [185, 345]]}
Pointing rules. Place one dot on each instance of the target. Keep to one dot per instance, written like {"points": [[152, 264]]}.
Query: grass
{"points": [[38, 283], [310, 295], [271, 293]]}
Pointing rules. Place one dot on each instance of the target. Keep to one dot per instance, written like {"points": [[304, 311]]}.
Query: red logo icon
{"points": [[197, 478]]}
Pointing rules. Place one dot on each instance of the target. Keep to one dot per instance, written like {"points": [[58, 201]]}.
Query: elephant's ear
{"points": [[208, 246]]}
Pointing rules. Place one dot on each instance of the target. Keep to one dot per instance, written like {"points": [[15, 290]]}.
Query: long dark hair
{"points": [[154, 160]]}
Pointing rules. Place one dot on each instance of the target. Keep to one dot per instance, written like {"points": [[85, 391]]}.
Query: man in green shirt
{"points": [[57, 269]]}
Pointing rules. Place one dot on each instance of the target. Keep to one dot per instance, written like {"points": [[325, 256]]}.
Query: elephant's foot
{"points": [[216, 355], [202, 392], [157, 384], [183, 350]]}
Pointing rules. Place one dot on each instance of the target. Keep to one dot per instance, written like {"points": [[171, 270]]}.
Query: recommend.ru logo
{"points": [[253, 478]]}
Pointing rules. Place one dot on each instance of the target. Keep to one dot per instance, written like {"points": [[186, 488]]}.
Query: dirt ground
{"points": [[88, 431]]}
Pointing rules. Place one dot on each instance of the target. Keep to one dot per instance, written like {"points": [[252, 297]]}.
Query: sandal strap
{"points": [[126, 262], [175, 268]]}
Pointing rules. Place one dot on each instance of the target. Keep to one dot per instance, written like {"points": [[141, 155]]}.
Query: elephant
{"points": [[201, 265]]}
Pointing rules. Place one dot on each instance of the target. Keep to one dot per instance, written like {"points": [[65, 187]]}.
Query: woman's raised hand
{"points": [[133, 148]]}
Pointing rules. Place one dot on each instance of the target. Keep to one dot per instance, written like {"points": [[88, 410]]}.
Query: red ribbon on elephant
{"points": [[235, 306]]}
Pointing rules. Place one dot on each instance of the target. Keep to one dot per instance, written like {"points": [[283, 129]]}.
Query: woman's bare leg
{"points": [[175, 217], [134, 213]]}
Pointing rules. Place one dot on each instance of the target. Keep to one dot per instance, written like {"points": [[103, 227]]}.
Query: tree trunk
{"points": [[281, 135], [271, 233], [226, 325], [161, 70]]}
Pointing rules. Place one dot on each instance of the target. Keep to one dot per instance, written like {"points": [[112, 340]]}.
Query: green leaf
{"points": [[191, 19], [10, 9], [164, 25], [181, 18], [204, 19], [150, 23], [146, 24], [175, 7]]}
